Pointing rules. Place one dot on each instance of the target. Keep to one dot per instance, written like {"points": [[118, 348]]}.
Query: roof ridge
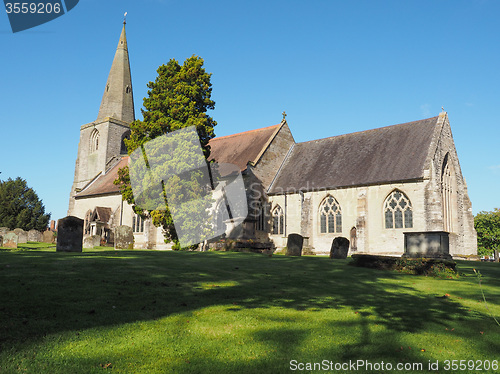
{"points": [[245, 132], [367, 131]]}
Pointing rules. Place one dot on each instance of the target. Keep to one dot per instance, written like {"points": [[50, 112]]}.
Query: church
{"points": [[370, 187]]}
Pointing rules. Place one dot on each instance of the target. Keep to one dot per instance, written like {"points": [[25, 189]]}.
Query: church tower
{"points": [[101, 141]]}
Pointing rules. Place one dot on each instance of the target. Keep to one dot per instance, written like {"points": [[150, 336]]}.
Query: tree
{"points": [[20, 206], [178, 98], [487, 225]]}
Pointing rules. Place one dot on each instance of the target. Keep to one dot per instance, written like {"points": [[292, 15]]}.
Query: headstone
{"points": [[294, 245], [427, 244], [34, 236], [21, 235], [48, 237], [4, 230], [91, 241], [10, 240], [69, 234], [340, 248], [124, 237]]}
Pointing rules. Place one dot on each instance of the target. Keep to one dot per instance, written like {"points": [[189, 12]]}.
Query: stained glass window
{"points": [[330, 216], [397, 211]]}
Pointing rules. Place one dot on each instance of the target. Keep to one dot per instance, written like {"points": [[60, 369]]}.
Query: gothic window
{"points": [[86, 223], [127, 90], [330, 216], [447, 190], [137, 223], [94, 141], [398, 211], [123, 148], [260, 216], [278, 221]]}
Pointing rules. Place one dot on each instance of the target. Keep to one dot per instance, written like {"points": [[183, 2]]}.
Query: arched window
{"points": [[330, 216], [86, 223], [94, 141], [260, 216], [137, 223], [278, 221], [397, 211], [447, 190], [123, 147]]}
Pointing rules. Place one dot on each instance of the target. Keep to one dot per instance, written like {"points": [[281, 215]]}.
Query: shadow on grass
{"points": [[44, 293]]}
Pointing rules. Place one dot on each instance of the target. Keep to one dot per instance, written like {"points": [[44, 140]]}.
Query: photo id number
{"points": [[38, 8]]}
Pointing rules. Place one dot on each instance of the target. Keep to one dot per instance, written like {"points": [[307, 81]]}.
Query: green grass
{"points": [[190, 312]]}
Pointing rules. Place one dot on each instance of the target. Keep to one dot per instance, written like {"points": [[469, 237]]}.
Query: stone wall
{"points": [[272, 158]]}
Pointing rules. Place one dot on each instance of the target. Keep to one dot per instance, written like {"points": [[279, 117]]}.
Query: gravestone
{"points": [[427, 244], [22, 236], [4, 230], [294, 245], [91, 241], [48, 237], [339, 248], [10, 240], [34, 236], [124, 237], [69, 234]]}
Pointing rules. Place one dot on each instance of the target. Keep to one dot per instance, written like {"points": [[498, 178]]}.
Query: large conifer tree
{"points": [[178, 98], [20, 206]]}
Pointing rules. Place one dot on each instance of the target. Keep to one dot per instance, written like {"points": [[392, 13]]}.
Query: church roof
{"points": [[102, 214], [244, 147], [103, 184], [383, 155], [117, 100]]}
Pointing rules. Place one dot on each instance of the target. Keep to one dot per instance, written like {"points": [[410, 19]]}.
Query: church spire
{"points": [[118, 100]]}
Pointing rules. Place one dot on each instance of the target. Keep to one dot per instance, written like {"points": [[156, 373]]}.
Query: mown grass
{"points": [[190, 312]]}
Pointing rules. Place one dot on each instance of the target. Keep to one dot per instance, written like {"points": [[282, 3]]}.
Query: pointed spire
{"points": [[118, 100]]}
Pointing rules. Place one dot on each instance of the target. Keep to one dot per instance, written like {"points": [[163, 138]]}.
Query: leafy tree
{"points": [[487, 225], [178, 98], [20, 206]]}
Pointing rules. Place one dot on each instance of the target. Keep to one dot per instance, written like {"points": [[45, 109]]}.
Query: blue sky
{"points": [[334, 66]]}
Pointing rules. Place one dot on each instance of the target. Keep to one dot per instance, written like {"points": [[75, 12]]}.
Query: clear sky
{"points": [[334, 66]]}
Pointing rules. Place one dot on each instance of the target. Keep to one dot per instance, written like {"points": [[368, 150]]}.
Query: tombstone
{"points": [[48, 237], [34, 236], [427, 244], [124, 237], [21, 235], [340, 248], [91, 241], [69, 234], [294, 245], [4, 230], [10, 240]]}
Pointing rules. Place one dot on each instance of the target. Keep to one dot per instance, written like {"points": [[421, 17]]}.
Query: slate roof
{"points": [[103, 185], [102, 214], [383, 155], [244, 147]]}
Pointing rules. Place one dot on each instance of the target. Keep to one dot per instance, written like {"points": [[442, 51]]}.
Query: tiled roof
{"points": [[387, 154], [244, 147], [103, 185], [102, 214]]}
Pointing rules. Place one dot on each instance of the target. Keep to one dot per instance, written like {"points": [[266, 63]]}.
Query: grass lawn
{"points": [[190, 312]]}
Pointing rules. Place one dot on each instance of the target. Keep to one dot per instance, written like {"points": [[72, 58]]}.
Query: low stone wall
{"points": [[417, 266]]}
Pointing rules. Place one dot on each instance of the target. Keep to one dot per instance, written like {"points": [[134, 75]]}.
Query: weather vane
{"points": [[125, 18]]}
